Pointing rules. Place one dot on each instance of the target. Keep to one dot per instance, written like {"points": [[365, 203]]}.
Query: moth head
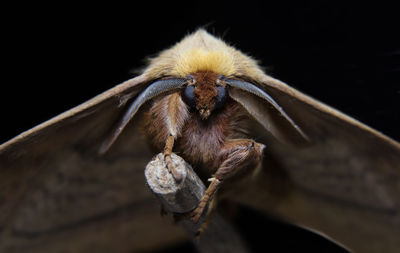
{"points": [[205, 93]]}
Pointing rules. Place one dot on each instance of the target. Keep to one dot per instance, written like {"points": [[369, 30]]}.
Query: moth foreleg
{"points": [[236, 155], [173, 113], [169, 144]]}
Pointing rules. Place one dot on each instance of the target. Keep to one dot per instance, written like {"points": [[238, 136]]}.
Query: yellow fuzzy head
{"points": [[198, 59], [201, 51]]}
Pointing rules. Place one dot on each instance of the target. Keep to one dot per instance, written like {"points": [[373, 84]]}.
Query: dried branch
{"points": [[182, 197]]}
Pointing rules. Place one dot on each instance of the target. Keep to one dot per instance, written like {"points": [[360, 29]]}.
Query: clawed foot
{"points": [[171, 168], [198, 217]]}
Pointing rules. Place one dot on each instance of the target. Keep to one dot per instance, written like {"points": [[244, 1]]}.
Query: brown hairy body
{"points": [[200, 141], [209, 135]]}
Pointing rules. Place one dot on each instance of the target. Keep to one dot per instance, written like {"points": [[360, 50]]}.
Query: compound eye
{"points": [[221, 98], [188, 96]]}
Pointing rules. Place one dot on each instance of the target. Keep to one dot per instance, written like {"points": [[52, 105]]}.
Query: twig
{"points": [[182, 197]]}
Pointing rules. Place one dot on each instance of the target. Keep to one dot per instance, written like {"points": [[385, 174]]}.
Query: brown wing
{"points": [[57, 194], [345, 183]]}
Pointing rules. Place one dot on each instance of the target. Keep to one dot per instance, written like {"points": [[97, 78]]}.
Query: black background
{"points": [[346, 55]]}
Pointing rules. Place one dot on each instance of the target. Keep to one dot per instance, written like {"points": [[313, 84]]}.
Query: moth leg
{"points": [[237, 155], [204, 225], [170, 113], [169, 144]]}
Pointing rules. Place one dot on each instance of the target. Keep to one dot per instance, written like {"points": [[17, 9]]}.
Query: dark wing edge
{"points": [[270, 82], [118, 90]]}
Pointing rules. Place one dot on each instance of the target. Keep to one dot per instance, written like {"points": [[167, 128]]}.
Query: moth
{"points": [[204, 118], [79, 175]]}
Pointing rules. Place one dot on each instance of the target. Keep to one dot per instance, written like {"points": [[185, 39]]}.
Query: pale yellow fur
{"points": [[202, 51]]}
